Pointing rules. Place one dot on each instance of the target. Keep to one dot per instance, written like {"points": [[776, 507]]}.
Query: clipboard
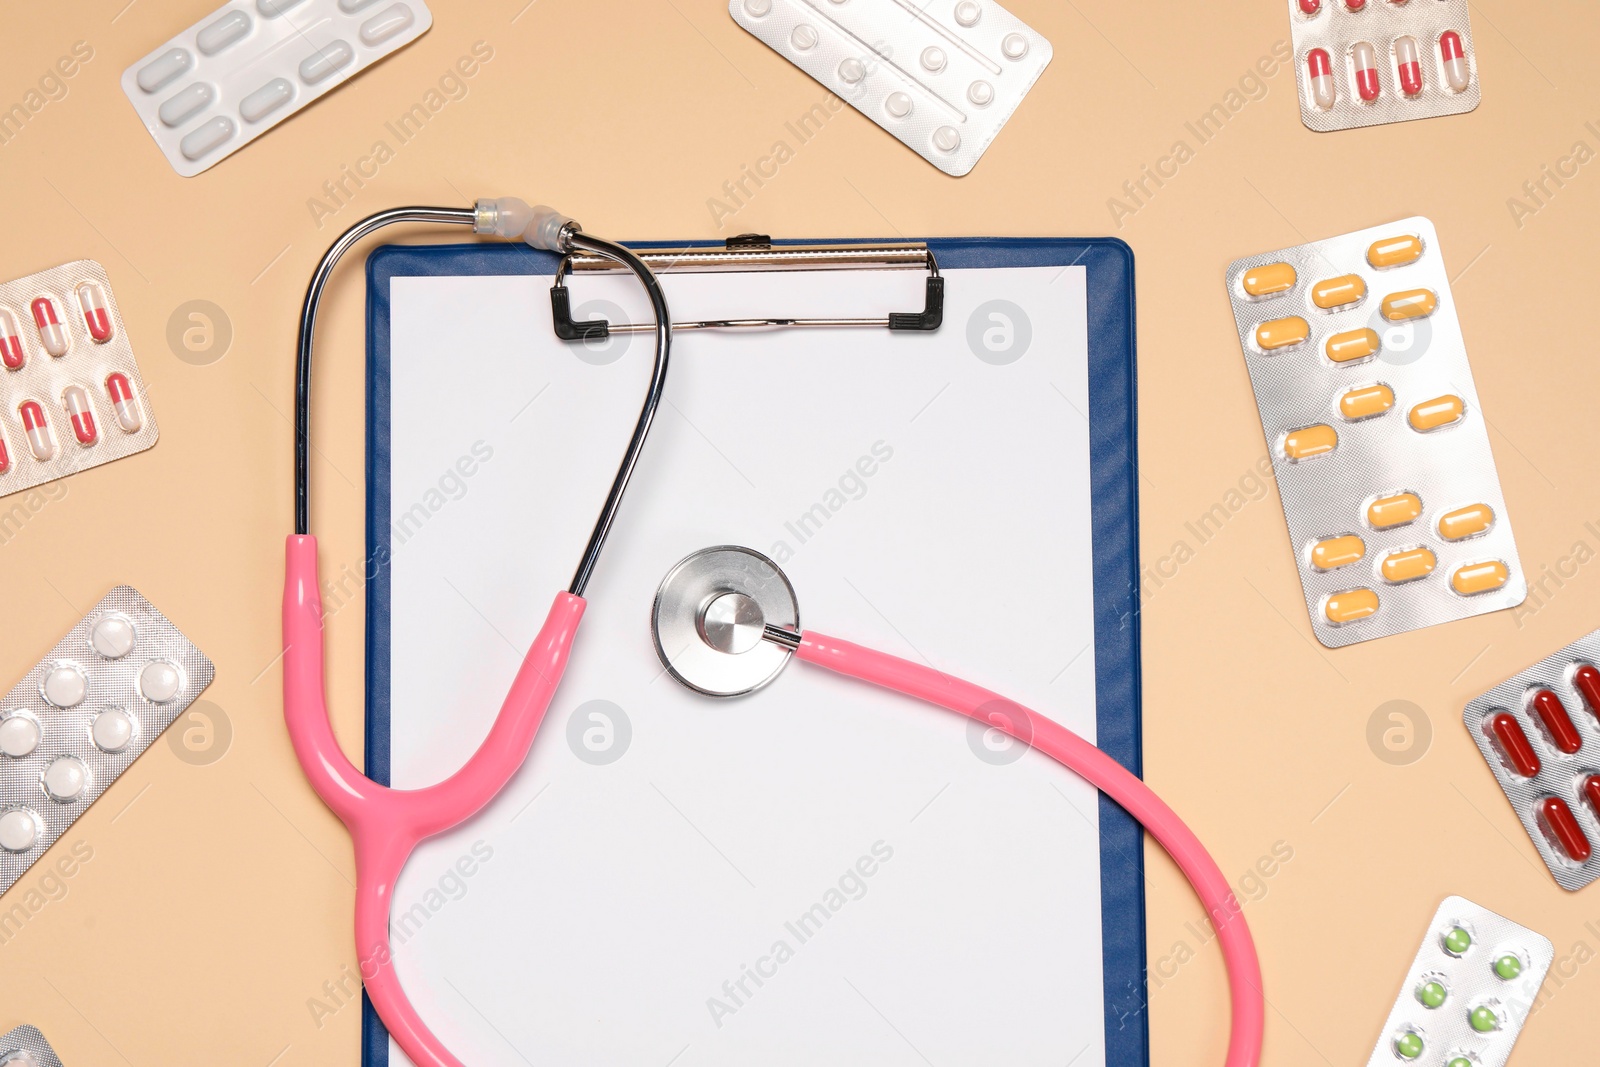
{"points": [[1110, 413]]}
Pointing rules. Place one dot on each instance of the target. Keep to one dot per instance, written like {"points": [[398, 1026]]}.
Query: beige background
{"points": [[217, 899]]}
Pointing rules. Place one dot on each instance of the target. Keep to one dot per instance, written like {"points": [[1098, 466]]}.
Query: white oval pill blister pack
{"points": [[70, 388], [1371, 62], [1470, 989], [247, 66], [1539, 731], [1379, 444], [26, 1047], [942, 76], [83, 715]]}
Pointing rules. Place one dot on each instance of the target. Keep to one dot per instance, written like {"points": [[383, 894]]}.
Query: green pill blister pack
{"points": [[1468, 992]]}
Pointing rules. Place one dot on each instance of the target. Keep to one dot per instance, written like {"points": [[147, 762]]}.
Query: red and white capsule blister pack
{"points": [[1378, 441], [83, 714], [1540, 733], [1370, 62], [26, 1047], [70, 392]]}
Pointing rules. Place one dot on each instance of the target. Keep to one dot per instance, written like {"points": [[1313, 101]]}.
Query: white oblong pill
{"points": [[65, 686], [350, 7], [968, 13], [265, 100], [230, 28], [112, 636], [19, 736], [325, 62], [386, 23], [206, 137], [65, 779], [19, 829], [946, 139], [186, 104], [273, 8], [161, 70], [898, 104], [1015, 46], [159, 681], [112, 730]]}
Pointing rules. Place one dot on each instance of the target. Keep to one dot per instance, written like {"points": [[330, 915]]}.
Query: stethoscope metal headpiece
{"points": [[725, 621]]}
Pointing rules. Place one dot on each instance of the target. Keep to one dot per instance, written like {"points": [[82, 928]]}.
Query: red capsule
{"points": [[76, 400], [1514, 744], [1320, 67], [1591, 792], [10, 342], [95, 316], [1457, 74], [1355, 5], [1364, 57], [37, 429], [5, 457], [51, 333], [1310, 7], [120, 391], [1563, 734], [1563, 828], [1409, 61], [1587, 681]]}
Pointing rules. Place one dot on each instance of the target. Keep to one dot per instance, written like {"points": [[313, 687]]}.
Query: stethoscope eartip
{"points": [[715, 618]]}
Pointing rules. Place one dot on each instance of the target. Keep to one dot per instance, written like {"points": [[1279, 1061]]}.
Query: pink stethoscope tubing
{"points": [[1106, 775]]}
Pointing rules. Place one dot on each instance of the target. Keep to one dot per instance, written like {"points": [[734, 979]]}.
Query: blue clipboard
{"points": [[1113, 457]]}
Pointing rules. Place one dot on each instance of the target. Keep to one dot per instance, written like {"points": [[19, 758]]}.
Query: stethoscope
{"points": [[726, 623]]}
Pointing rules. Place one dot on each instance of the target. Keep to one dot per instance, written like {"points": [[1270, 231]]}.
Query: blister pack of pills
{"points": [[1370, 62], [1378, 443], [250, 64], [26, 1047], [1540, 733], [942, 76], [1468, 992], [83, 715], [71, 392]]}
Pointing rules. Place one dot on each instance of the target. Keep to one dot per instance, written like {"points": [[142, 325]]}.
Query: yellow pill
{"points": [[1270, 279], [1408, 564], [1357, 344], [1336, 292], [1281, 333], [1311, 441], [1440, 411], [1337, 552], [1411, 304], [1462, 523], [1479, 577], [1366, 402], [1351, 606], [1394, 510], [1394, 251]]}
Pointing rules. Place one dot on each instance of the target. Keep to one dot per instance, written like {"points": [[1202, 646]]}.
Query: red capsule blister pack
{"points": [[70, 392], [1370, 62], [1540, 733]]}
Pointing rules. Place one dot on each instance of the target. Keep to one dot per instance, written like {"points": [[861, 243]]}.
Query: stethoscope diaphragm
{"points": [[711, 617]]}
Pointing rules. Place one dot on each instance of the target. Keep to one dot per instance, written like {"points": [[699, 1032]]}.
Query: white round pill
{"points": [[65, 686], [65, 779], [159, 681], [946, 139], [1015, 46], [852, 70], [757, 8], [933, 59], [804, 37], [112, 730], [19, 829], [898, 105], [968, 13], [19, 736], [981, 93], [112, 636]]}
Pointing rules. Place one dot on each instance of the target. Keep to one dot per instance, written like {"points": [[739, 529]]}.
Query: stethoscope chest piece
{"points": [[712, 617]]}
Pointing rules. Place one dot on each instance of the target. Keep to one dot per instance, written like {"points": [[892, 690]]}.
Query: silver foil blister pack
{"points": [[942, 76], [1379, 445], [26, 1047], [1371, 62], [1468, 993], [70, 392], [1539, 731], [83, 714]]}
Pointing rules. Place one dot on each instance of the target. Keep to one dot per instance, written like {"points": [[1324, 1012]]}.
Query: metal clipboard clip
{"points": [[756, 252]]}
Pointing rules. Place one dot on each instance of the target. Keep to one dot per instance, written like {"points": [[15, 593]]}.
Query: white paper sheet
{"points": [[613, 912]]}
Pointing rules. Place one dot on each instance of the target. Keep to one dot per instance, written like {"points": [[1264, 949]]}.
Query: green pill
{"points": [[1432, 994], [1457, 941], [1459, 1061], [1484, 1020], [1508, 967], [1408, 1045]]}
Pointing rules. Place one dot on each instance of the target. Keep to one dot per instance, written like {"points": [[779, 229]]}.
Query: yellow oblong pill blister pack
{"points": [[1378, 441]]}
